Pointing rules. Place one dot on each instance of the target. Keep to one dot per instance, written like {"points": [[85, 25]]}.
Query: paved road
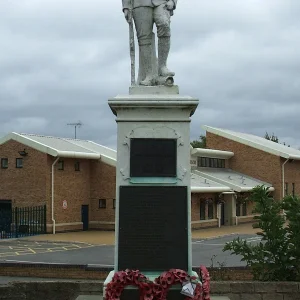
{"points": [[206, 252]]}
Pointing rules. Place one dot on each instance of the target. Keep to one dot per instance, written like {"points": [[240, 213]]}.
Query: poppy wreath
{"points": [[125, 278], [163, 283], [205, 279], [158, 289]]}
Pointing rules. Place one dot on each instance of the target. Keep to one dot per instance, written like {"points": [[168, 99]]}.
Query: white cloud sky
{"points": [[61, 60]]}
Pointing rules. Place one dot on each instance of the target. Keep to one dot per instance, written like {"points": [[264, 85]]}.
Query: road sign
{"points": [[65, 204]]}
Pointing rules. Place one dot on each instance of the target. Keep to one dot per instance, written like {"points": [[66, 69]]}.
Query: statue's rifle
{"points": [[131, 43]]}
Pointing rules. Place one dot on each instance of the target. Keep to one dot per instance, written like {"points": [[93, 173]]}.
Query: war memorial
{"points": [[153, 255]]}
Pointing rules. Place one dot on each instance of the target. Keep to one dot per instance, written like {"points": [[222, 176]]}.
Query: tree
{"points": [[200, 143], [272, 137], [277, 256]]}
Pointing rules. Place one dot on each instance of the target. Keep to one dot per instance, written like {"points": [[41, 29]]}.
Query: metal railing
{"points": [[23, 221]]}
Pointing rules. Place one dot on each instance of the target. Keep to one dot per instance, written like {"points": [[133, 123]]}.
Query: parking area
{"points": [[205, 251], [15, 248]]}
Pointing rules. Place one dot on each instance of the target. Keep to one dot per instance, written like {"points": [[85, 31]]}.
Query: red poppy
{"points": [[163, 283], [170, 278], [148, 296], [118, 291], [157, 288]]}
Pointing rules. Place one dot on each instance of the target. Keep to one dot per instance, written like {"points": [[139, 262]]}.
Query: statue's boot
{"points": [[163, 53], [146, 57]]}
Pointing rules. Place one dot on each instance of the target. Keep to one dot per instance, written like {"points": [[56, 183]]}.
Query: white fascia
{"points": [[29, 142], [109, 160], [196, 189], [249, 189], [74, 154], [212, 153], [53, 152]]}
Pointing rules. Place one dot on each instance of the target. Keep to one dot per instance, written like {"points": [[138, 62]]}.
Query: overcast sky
{"points": [[60, 61]]}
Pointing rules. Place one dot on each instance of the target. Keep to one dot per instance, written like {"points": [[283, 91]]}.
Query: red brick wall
{"points": [[31, 186], [103, 186], [250, 161], [70, 185], [292, 175], [25, 186]]}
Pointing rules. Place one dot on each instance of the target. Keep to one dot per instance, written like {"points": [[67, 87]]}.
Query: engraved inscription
{"points": [[153, 228], [153, 157]]}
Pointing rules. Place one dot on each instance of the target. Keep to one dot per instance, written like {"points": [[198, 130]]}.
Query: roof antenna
{"points": [[78, 124]]}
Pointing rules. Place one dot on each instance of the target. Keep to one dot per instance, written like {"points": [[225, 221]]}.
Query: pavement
{"points": [[108, 237]]}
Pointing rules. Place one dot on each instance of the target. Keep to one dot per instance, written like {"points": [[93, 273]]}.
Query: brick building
{"points": [[75, 179], [260, 158]]}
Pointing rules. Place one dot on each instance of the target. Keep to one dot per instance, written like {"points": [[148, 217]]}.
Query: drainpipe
{"points": [[219, 215], [283, 181], [283, 177], [52, 195]]}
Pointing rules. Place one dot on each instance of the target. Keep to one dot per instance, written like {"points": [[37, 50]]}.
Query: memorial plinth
{"points": [[153, 197]]}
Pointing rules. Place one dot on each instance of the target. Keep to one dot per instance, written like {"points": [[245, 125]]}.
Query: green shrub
{"points": [[277, 256]]}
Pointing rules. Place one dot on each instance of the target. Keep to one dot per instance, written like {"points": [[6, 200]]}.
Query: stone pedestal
{"points": [[153, 197]]}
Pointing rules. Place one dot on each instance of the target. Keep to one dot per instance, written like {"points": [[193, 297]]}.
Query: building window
{"points": [[4, 163], [215, 163], [221, 163], [202, 209], [61, 165], [114, 203], [102, 203], [244, 208], [286, 189], [206, 162], [293, 189], [210, 209], [238, 209], [77, 166], [19, 163]]}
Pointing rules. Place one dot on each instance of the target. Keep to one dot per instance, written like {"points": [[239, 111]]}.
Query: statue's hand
{"points": [[127, 15], [170, 5]]}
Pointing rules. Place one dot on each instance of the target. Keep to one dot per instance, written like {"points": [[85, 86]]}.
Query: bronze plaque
{"points": [[153, 233], [153, 157]]}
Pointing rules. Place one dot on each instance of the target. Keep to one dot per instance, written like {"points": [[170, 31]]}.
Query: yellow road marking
{"points": [[26, 250], [7, 254]]}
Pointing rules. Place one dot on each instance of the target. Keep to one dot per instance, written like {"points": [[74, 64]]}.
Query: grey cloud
{"points": [[61, 60]]}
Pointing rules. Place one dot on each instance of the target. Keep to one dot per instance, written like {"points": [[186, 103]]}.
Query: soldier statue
{"points": [[145, 13]]}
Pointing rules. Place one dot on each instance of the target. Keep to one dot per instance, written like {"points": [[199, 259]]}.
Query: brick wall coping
{"points": [[91, 267]]}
